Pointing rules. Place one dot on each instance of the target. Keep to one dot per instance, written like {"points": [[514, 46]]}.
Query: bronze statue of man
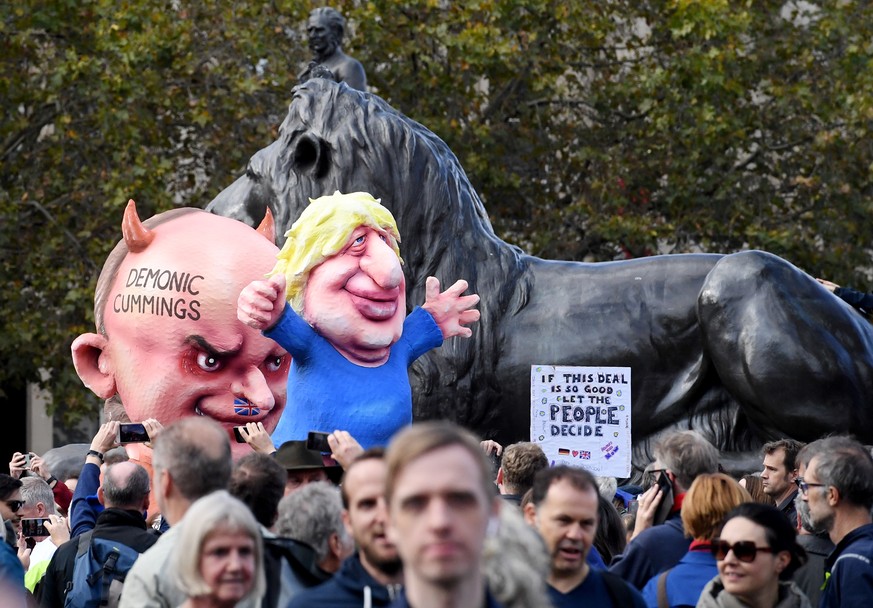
{"points": [[326, 28]]}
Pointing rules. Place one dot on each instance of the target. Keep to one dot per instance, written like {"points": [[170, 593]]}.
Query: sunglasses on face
{"points": [[14, 505], [744, 550]]}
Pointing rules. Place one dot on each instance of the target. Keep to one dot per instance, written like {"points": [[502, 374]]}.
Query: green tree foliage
{"points": [[104, 101], [593, 130]]}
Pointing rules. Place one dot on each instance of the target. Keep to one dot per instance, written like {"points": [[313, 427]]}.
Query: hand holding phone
{"points": [[131, 432], [317, 442], [666, 504], [34, 526]]}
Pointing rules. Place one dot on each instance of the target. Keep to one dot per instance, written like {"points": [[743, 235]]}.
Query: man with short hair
{"points": [[191, 459], [125, 496], [680, 457], [375, 570], [326, 28], [313, 515], [39, 501], [518, 466], [837, 484], [10, 507], [259, 481], [441, 501], [564, 510], [780, 471]]}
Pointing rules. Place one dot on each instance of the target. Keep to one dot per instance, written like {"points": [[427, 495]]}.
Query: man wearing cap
{"points": [[305, 466]]}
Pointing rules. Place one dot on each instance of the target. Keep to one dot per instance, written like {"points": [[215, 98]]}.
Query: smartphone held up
{"points": [[131, 432], [317, 442], [34, 526]]}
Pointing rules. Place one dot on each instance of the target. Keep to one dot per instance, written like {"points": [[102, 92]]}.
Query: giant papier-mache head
{"points": [[343, 272], [168, 341]]}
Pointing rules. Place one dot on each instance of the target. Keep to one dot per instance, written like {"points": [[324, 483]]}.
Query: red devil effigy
{"points": [[168, 343]]}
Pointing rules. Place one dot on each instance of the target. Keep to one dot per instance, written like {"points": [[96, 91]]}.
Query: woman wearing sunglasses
{"points": [[709, 499], [757, 552]]}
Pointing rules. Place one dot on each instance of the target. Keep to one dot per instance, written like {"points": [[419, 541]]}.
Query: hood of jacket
{"points": [[353, 578]]}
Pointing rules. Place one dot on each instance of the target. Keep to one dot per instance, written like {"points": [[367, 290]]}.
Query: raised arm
{"points": [[451, 310], [261, 303]]}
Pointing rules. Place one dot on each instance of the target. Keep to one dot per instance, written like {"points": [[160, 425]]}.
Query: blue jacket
{"points": [[849, 583], [595, 560], [346, 589], [653, 551], [371, 403], [686, 580], [11, 576], [85, 508], [858, 299]]}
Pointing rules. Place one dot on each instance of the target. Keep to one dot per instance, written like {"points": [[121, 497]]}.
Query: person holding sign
{"points": [[345, 321], [659, 541]]}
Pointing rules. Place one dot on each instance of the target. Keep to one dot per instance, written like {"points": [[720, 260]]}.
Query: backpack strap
{"points": [[663, 602], [83, 543], [618, 589]]}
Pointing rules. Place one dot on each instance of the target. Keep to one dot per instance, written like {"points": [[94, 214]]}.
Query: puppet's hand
{"points": [[829, 285], [450, 309], [261, 303]]}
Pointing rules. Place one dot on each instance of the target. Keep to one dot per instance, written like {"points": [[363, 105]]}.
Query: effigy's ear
{"points": [[92, 364], [267, 227], [137, 236]]}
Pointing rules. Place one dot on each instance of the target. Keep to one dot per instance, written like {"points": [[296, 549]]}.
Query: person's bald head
{"points": [[125, 486]]}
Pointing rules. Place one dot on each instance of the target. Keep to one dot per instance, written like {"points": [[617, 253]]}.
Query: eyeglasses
{"points": [[804, 486], [744, 550], [14, 505]]}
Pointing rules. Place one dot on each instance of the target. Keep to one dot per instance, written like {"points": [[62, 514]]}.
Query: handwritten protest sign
{"points": [[581, 417]]}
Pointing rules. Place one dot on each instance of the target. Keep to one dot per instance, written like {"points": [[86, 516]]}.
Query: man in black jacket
{"points": [[125, 494], [373, 572]]}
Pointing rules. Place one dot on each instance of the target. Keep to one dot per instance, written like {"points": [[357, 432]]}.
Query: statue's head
{"points": [[168, 342], [341, 261], [326, 28]]}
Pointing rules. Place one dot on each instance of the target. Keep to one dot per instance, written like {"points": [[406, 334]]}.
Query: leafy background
{"points": [[593, 130]]}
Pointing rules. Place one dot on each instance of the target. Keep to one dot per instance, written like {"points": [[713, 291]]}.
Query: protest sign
{"points": [[581, 417]]}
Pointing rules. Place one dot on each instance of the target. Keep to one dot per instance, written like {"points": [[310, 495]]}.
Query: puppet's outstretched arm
{"points": [[450, 309], [261, 303]]}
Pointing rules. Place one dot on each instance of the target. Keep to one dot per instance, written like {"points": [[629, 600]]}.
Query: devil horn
{"points": [[267, 227], [135, 234]]}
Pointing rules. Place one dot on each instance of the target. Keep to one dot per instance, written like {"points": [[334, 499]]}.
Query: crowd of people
{"points": [[437, 518]]}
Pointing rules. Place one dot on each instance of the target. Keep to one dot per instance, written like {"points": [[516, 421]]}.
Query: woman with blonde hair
{"points": [[219, 558], [710, 498]]}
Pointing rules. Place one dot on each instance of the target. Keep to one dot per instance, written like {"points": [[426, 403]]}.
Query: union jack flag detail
{"points": [[243, 407]]}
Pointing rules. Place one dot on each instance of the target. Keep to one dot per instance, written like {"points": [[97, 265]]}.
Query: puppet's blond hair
{"points": [[322, 230]]}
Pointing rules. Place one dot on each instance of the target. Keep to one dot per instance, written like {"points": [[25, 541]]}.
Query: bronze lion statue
{"points": [[744, 347]]}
